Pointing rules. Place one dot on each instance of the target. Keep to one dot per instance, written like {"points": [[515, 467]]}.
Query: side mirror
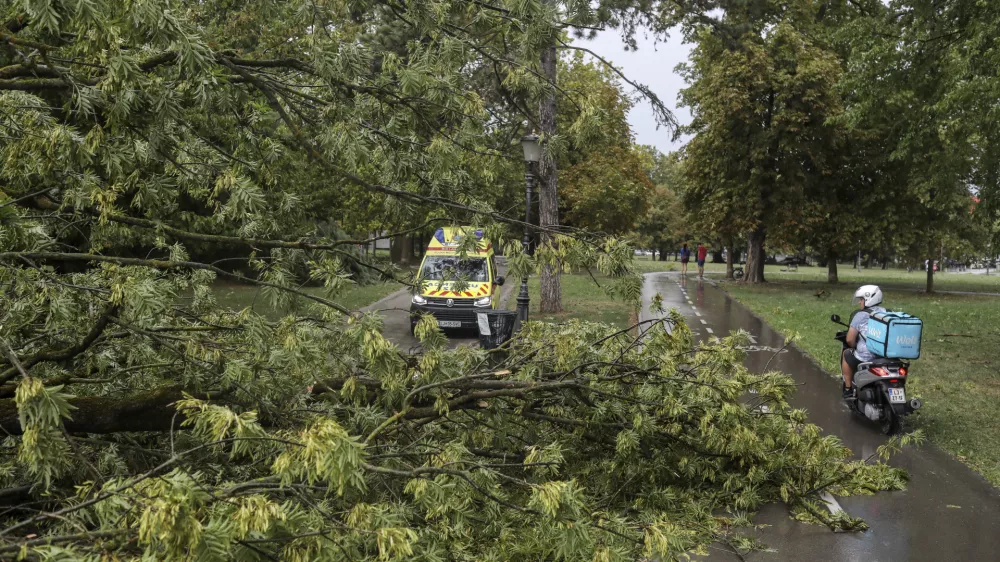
{"points": [[499, 281], [835, 318]]}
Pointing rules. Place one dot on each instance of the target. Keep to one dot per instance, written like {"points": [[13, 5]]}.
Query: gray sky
{"points": [[652, 65]]}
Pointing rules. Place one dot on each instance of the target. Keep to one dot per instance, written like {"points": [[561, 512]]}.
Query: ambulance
{"points": [[455, 287]]}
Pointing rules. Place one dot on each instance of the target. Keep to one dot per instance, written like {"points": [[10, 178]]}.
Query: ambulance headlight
{"points": [[485, 301], [417, 299]]}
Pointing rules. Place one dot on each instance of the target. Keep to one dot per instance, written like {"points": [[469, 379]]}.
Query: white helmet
{"points": [[871, 293]]}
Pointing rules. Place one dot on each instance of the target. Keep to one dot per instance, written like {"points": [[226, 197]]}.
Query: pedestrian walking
{"points": [[702, 253], [685, 257]]}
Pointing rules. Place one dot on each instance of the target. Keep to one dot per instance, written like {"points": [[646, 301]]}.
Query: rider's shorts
{"points": [[852, 360]]}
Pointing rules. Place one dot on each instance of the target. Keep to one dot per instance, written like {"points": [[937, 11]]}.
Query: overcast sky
{"points": [[652, 65]]}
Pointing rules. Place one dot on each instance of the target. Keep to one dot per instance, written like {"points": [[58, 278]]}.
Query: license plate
{"points": [[449, 323], [897, 395]]}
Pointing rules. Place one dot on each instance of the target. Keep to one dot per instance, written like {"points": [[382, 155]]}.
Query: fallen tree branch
{"points": [[151, 411], [165, 264], [62, 355]]}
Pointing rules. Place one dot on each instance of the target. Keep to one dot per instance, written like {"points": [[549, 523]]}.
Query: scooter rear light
{"points": [[893, 380], [880, 371], [902, 371]]}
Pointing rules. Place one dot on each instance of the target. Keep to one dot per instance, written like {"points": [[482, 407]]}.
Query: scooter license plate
{"points": [[449, 323], [897, 395]]}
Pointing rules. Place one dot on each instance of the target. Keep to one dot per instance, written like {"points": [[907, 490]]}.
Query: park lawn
{"points": [[237, 297], [893, 278], [581, 298], [956, 374], [645, 265]]}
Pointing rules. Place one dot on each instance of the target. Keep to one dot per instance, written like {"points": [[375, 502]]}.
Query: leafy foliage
{"points": [[148, 144], [607, 192]]}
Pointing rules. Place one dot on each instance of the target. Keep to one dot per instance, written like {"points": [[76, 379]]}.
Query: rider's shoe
{"points": [[849, 392]]}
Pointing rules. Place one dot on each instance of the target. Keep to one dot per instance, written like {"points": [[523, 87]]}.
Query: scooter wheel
{"points": [[891, 424]]}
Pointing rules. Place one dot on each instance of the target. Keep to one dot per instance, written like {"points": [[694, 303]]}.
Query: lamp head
{"points": [[532, 148]]}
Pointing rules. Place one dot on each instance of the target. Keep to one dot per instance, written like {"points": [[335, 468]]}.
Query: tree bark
{"points": [[663, 253], [729, 261], [755, 254], [152, 411], [831, 267], [930, 276], [548, 199], [401, 250]]}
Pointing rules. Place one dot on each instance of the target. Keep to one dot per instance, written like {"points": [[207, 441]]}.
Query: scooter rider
{"points": [[868, 298]]}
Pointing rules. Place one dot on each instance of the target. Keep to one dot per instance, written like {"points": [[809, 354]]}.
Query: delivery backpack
{"points": [[894, 335]]}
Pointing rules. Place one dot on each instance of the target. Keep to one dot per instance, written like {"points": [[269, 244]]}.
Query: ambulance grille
{"points": [[443, 301]]}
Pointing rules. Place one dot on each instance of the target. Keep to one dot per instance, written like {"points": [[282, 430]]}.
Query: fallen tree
{"points": [[582, 442]]}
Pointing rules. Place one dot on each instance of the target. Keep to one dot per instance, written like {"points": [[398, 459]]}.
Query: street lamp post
{"points": [[532, 153]]}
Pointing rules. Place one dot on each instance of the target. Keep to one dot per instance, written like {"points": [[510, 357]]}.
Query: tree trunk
{"points": [[717, 256], [831, 267], [663, 253], [729, 261], [548, 200], [401, 250], [930, 276], [755, 254], [151, 411]]}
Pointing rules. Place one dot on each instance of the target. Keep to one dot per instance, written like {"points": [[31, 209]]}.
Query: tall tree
{"points": [[605, 184], [759, 104], [910, 64], [548, 195], [664, 226]]}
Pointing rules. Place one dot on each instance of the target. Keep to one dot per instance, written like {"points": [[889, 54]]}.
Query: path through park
{"points": [[947, 511]]}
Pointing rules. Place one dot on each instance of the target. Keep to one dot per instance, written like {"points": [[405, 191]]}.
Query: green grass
{"points": [[646, 265], [893, 278], [238, 297], [956, 376], [581, 298], [896, 278]]}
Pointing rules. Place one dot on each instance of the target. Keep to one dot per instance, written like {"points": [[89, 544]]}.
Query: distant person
{"points": [[685, 257], [702, 254]]}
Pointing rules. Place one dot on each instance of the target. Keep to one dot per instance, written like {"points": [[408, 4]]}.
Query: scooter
{"points": [[880, 389]]}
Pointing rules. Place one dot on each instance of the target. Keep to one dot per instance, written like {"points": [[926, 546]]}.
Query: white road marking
{"points": [[831, 503], [709, 330], [698, 314], [703, 321]]}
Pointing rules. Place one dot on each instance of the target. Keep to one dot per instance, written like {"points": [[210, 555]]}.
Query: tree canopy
{"points": [[812, 120]]}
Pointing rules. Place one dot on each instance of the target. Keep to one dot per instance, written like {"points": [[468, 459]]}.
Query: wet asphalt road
{"points": [[947, 511]]}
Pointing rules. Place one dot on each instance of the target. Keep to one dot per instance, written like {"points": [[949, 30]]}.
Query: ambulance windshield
{"points": [[451, 268]]}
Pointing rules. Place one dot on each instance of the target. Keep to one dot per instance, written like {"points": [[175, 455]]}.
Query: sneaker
{"points": [[848, 392]]}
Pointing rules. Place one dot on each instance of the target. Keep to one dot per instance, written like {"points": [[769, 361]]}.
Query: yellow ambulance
{"points": [[452, 286]]}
